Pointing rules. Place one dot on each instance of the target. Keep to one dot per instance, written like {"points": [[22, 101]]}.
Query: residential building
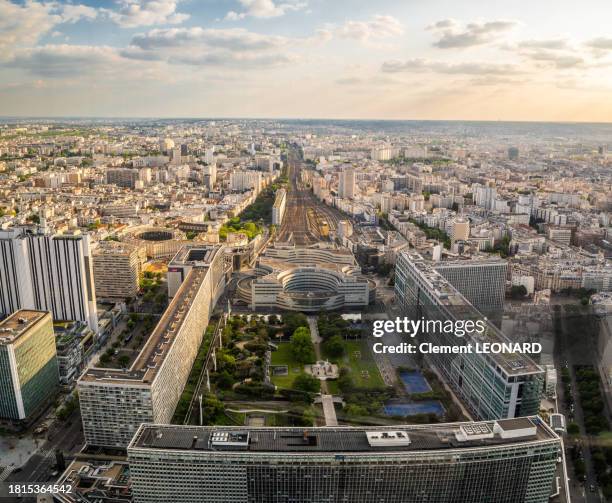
{"points": [[245, 180], [115, 402], [48, 273], [116, 268], [346, 186], [278, 209]]}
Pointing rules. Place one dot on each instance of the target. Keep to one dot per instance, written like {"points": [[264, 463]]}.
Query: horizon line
{"points": [[210, 118]]}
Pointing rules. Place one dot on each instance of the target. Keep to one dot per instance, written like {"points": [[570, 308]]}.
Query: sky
{"points": [[536, 60]]}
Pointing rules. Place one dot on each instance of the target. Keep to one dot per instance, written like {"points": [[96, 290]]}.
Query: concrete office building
{"points": [[116, 268], [310, 279], [490, 385], [481, 281], [29, 376], [278, 209], [114, 402], [509, 461], [346, 185], [47, 273], [132, 178]]}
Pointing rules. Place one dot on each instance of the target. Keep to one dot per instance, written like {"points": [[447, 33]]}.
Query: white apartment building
{"points": [[279, 207], [346, 186], [384, 153], [245, 180], [115, 402], [47, 273]]}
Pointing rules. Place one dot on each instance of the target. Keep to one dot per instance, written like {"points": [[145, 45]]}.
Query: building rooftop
{"points": [[458, 307], [344, 439], [160, 341], [18, 323]]}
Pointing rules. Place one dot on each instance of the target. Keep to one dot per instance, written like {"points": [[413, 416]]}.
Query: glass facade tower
{"points": [[28, 365]]}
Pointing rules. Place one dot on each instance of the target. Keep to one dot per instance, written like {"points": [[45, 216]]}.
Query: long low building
{"points": [[508, 461], [114, 402], [310, 279], [490, 385], [278, 209]]}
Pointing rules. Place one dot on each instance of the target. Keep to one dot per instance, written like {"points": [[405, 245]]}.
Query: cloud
{"points": [[72, 13], [231, 47], [467, 68], [234, 59], [451, 34], [556, 59], [134, 13], [550, 44], [599, 47], [495, 80], [378, 27], [350, 81], [22, 25], [61, 60], [600, 44], [264, 9], [233, 39]]}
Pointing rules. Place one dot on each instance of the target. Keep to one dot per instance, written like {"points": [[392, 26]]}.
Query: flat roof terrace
{"points": [[459, 308], [19, 323], [405, 438], [162, 338]]}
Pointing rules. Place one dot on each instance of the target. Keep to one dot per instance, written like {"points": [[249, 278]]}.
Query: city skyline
{"points": [[265, 58]]}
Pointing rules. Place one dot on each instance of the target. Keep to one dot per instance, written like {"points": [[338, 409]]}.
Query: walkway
{"points": [[316, 341], [329, 411]]}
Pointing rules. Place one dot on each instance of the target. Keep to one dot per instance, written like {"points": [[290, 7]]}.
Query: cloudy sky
{"points": [[390, 59]]}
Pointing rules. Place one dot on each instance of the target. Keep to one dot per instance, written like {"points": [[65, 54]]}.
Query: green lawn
{"points": [[284, 356], [358, 356]]}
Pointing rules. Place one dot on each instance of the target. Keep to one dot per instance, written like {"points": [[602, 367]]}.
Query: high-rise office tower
{"points": [[48, 273], [114, 402], [513, 153], [209, 155], [490, 385], [509, 461], [29, 375], [346, 186], [481, 281]]}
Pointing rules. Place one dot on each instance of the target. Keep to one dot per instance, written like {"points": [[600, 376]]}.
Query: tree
{"points": [[335, 346], [345, 382], [573, 429], [306, 383], [225, 380], [301, 346], [293, 321], [518, 291], [123, 360]]}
